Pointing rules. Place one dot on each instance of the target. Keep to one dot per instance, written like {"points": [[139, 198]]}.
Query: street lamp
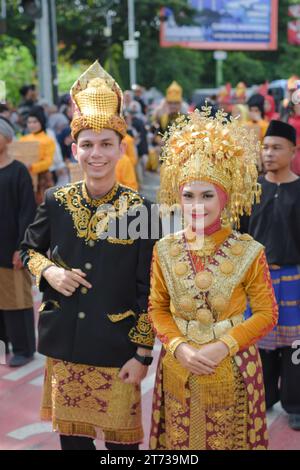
{"points": [[108, 34]]}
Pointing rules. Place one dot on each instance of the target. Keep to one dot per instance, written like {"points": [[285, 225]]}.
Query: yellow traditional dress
{"points": [[199, 294], [225, 410]]}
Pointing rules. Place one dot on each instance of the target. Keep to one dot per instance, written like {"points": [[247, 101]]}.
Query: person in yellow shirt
{"points": [[130, 149], [256, 115], [209, 392], [36, 124], [125, 168]]}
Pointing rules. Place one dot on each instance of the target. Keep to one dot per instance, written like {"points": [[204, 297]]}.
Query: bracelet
{"points": [[174, 343], [231, 343]]}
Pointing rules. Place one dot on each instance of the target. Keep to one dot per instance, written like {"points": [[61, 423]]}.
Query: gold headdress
{"points": [[98, 102], [199, 147], [174, 93]]}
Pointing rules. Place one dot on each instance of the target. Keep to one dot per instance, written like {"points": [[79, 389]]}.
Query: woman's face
{"points": [[33, 125], [200, 204]]}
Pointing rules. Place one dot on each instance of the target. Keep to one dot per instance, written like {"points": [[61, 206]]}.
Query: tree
{"points": [[16, 66], [80, 32]]}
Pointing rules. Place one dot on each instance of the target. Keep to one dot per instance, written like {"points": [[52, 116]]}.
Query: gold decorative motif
{"points": [[174, 250], [216, 149], [185, 295], [102, 200], [227, 267], [37, 264], [203, 280], [116, 317], [120, 241], [180, 269], [187, 304], [88, 223], [237, 249], [98, 102], [204, 316], [91, 401], [142, 333], [218, 303], [190, 235], [245, 237]]}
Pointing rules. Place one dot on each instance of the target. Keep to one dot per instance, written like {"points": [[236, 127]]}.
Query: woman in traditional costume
{"points": [[209, 391]]}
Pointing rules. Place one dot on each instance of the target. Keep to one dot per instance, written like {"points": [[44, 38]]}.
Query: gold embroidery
{"points": [[37, 264], [142, 333], [120, 241], [91, 401], [49, 305], [203, 280], [116, 317], [89, 224], [222, 287], [103, 200]]}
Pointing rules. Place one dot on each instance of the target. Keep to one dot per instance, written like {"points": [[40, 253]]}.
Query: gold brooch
{"points": [[237, 249], [226, 267], [204, 316], [187, 304], [180, 268], [219, 303], [203, 280], [174, 250]]}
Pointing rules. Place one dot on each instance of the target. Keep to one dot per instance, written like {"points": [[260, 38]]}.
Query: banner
{"points": [[293, 31], [225, 25]]}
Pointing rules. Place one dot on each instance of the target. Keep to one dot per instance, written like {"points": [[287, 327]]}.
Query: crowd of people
{"points": [[227, 311]]}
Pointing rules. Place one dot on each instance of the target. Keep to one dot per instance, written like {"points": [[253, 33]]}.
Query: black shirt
{"points": [[17, 209], [275, 221]]}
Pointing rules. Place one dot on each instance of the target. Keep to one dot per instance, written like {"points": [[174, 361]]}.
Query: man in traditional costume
{"points": [[93, 324], [209, 392], [17, 211], [275, 222]]}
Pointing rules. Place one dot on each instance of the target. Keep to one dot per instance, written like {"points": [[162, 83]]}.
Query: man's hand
{"points": [[133, 372], [64, 281], [194, 360], [16, 260]]}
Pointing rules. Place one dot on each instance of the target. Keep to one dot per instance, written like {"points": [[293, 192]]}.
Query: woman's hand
{"points": [[194, 361], [216, 352]]}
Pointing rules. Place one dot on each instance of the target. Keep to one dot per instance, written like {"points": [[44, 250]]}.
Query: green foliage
{"points": [[16, 67], [81, 40]]}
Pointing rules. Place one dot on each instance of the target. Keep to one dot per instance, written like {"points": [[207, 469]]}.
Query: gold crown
{"points": [[98, 102], [174, 92], [199, 147]]}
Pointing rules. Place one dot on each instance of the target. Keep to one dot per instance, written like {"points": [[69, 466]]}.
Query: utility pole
{"points": [[131, 37], [46, 51]]}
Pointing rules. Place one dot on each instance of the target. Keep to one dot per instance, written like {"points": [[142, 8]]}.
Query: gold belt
{"points": [[195, 331]]}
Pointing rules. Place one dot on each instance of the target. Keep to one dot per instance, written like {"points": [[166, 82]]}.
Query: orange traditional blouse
{"points": [[235, 272], [46, 151]]}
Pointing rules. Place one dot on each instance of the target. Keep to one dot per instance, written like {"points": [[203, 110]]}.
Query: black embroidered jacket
{"points": [[103, 325]]}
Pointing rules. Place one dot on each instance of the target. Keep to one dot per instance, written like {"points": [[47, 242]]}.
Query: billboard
{"points": [[294, 26], [224, 24]]}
